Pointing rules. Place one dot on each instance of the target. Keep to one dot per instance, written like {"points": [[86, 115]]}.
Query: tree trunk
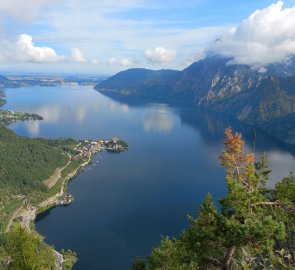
{"points": [[228, 258]]}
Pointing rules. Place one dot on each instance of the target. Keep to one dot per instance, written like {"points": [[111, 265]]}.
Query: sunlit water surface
{"points": [[125, 202]]}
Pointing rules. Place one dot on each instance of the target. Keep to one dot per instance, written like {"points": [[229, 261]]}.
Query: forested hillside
{"points": [[2, 101], [24, 163]]}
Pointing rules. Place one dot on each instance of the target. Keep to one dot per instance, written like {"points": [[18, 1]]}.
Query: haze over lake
{"points": [[125, 202]]}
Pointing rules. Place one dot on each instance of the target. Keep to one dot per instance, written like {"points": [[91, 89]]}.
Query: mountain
{"points": [[263, 97], [140, 82]]}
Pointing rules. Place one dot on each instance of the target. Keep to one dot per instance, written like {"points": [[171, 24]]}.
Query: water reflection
{"points": [[281, 164], [59, 105], [115, 107], [159, 120], [126, 202], [211, 126], [33, 128], [82, 112]]}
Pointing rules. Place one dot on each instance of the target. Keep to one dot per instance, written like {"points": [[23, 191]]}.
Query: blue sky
{"points": [[100, 36]]}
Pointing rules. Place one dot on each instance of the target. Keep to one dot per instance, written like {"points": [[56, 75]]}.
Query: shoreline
{"points": [[30, 215], [85, 150], [71, 176], [81, 155], [52, 201]]}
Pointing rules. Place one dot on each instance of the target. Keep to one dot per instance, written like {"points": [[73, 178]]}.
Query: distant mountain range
{"points": [[14, 81], [263, 97]]}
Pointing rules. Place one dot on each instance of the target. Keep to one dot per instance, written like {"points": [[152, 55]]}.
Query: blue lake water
{"points": [[125, 202]]}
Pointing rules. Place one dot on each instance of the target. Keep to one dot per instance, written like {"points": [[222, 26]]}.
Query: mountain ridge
{"points": [[257, 96]]}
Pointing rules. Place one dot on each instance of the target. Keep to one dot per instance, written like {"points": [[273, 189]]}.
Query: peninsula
{"points": [[8, 117]]}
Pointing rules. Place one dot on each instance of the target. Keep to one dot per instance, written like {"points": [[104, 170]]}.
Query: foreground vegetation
{"points": [[254, 229], [23, 250]]}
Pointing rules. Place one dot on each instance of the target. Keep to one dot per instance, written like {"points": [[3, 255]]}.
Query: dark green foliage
{"points": [[138, 264], [255, 228], [202, 236], [25, 162]]}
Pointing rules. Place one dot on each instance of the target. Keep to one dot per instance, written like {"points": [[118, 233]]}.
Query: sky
{"points": [[106, 36]]}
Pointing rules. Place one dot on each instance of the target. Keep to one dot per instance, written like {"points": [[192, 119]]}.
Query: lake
{"points": [[125, 202]]}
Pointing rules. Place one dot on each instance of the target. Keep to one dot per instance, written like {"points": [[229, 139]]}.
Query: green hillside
{"points": [[24, 163]]}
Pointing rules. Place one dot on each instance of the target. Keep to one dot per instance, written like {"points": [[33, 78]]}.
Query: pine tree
{"points": [[255, 228], [247, 222]]}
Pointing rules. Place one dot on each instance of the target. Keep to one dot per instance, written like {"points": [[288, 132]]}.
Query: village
{"points": [[87, 148]]}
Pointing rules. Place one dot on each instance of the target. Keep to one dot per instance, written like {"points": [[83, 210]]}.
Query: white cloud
{"points": [[103, 30], [125, 62], [77, 55], [112, 61], [24, 50], [23, 10], [160, 55], [266, 36]]}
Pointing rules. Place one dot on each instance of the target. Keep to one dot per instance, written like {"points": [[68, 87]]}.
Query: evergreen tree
{"points": [[255, 228]]}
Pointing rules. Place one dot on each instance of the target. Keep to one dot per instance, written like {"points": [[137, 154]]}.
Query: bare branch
{"points": [[266, 203]]}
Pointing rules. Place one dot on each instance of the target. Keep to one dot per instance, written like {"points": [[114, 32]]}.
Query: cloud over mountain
{"points": [[266, 36], [160, 55]]}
